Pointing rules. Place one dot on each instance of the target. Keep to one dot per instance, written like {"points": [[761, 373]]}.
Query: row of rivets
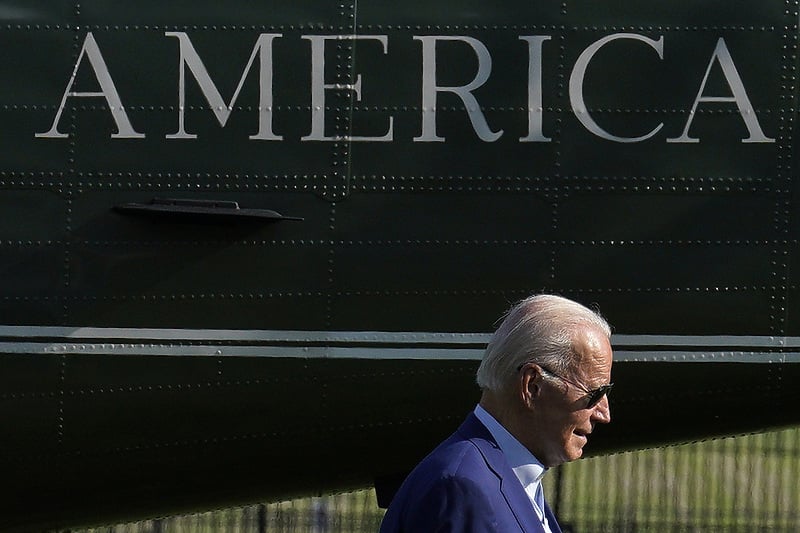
{"points": [[385, 178], [359, 28], [411, 292], [342, 122], [426, 242]]}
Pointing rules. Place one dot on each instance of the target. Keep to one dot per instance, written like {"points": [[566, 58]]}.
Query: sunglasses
{"points": [[593, 395]]}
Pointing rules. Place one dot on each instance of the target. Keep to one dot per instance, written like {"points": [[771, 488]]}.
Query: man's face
{"points": [[562, 420]]}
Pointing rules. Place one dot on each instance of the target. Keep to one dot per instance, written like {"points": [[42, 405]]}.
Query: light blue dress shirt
{"points": [[525, 465]]}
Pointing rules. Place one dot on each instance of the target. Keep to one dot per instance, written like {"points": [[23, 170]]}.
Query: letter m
{"points": [[190, 58]]}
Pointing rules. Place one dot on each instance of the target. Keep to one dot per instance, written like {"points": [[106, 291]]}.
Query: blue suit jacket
{"points": [[464, 485]]}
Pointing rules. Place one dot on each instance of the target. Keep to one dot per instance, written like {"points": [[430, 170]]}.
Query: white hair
{"points": [[539, 329]]}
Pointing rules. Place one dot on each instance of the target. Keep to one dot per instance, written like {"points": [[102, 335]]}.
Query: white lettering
{"points": [[576, 86], [723, 56], [222, 111], [107, 91], [318, 88], [535, 106], [431, 85], [430, 88]]}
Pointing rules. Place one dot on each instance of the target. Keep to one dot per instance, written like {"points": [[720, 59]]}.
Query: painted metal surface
{"points": [[446, 159]]}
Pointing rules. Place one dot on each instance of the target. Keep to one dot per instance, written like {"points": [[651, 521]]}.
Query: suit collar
{"points": [[528, 469], [515, 496]]}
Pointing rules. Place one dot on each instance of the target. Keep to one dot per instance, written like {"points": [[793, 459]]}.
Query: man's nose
{"points": [[602, 411]]}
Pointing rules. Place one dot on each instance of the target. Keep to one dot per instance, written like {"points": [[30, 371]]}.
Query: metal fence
{"points": [[733, 485], [742, 484]]}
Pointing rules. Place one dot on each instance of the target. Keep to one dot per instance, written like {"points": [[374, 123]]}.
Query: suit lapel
{"points": [[515, 496], [551, 519]]}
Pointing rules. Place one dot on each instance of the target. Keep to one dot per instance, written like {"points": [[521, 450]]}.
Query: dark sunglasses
{"points": [[594, 395]]}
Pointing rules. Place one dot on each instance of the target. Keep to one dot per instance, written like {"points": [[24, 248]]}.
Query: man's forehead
{"points": [[589, 339], [592, 349]]}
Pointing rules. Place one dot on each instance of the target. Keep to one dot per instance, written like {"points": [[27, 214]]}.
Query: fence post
{"points": [[262, 518]]}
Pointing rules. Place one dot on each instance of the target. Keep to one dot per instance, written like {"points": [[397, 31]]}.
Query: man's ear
{"points": [[530, 385]]}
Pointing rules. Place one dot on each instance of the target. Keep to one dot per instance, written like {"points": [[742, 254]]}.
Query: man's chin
{"points": [[576, 452]]}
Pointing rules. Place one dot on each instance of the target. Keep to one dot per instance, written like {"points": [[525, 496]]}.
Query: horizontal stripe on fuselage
{"points": [[368, 344]]}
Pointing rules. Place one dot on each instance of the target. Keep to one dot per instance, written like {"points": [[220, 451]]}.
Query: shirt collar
{"points": [[525, 465]]}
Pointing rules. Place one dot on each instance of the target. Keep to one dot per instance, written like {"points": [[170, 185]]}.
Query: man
{"points": [[544, 379]]}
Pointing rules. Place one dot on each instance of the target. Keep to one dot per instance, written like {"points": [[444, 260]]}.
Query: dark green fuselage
{"points": [[446, 159]]}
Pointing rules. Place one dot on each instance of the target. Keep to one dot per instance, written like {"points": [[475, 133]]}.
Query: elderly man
{"points": [[545, 376]]}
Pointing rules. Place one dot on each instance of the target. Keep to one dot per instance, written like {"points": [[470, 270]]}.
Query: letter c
{"points": [[576, 85]]}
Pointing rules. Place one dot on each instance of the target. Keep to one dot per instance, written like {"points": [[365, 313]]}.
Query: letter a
{"points": [[723, 56], [108, 91]]}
